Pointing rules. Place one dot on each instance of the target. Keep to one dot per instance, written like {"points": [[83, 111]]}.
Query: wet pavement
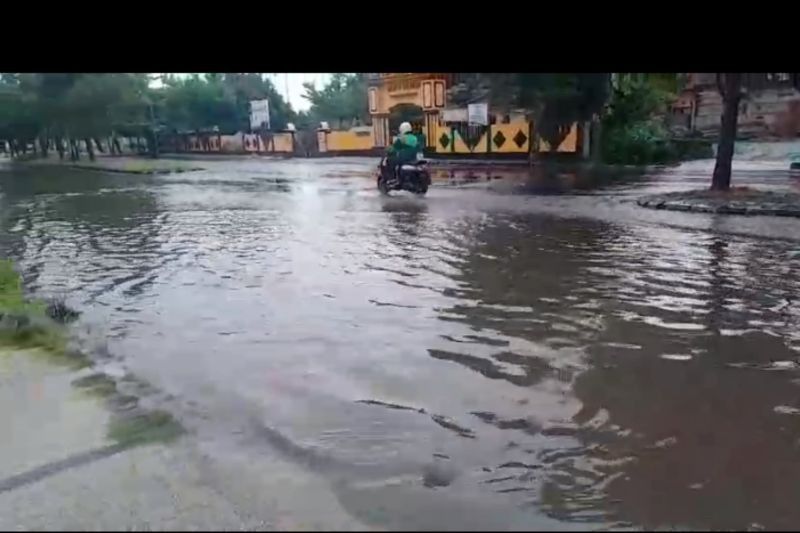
{"points": [[480, 357]]}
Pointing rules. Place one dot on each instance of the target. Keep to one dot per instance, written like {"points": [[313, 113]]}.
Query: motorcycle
{"points": [[413, 177]]}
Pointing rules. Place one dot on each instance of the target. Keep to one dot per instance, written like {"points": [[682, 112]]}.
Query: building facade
{"points": [[770, 108], [421, 98]]}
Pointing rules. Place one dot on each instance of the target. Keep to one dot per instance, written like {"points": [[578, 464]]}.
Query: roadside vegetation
{"points": [[26, 323], [634, 124], [39, 326], [73, 113]]}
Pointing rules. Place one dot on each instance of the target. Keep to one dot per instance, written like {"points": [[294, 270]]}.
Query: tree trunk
{"points": [[89, 148], [152, 141], [59, 148], [44, 143], [597, 141], [74, 154], [99, 145], [730, 88], [115, 143]]}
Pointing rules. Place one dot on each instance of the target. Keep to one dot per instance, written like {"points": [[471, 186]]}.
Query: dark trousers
{"points": [[393, 165]]}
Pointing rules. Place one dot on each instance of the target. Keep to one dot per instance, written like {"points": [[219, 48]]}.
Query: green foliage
{"points": [[12, 299], [341, 102], [640, 143], [634, 131], [635, 100], [23, 323], [219, 100], [84, 106], [19, 117]]}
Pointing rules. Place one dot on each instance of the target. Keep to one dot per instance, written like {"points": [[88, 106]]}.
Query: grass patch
{"points": [[27, 323], [12, 300], [96, 384], [144, 428], [142, 167]]}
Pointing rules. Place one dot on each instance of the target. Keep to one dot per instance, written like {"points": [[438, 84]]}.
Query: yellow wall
{"points": [[569, 144], [462, 148], [508, 146], [436, 134], [509, 131], [283, 142], [362, 138], [196, 144], [252, 142], [232, 143]]}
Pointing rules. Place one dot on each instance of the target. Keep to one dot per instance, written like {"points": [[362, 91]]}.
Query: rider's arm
{"points": [[396, 146]]}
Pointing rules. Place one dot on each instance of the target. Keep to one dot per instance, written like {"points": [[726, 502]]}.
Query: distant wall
{"points": [[210, 143], [283, 143], [237, 143], [502, 138], [232, 143], [771, 113], [357, 139], [252, 143], [568, 145]]}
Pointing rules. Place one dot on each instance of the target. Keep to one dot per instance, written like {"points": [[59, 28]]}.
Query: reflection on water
{"points": [[463, 360]]}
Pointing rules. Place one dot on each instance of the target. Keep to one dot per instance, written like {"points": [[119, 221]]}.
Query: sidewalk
{"points": [[55, 472]]}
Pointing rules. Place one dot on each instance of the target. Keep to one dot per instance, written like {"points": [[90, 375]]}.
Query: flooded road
{"points": [[474, 359]]}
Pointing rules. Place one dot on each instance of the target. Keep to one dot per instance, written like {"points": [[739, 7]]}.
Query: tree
{"points": [[72, 105], [221, 100], [342, 100], [730, 88], [247, 87], [634, 126], [85, 108]]}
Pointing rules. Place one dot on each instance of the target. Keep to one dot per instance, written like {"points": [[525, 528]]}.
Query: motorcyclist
{"points": [[403, 150]]}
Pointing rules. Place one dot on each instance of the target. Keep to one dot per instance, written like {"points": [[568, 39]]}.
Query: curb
{"points": [[153, 172], [724, 209]]}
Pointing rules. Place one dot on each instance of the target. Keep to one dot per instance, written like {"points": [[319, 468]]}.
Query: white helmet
{"points": [[405, 127]]}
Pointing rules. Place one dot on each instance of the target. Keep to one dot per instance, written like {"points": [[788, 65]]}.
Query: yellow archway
{"points": [[387, 90]]}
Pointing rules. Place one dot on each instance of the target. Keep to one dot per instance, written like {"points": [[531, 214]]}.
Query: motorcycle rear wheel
{"points": [[382, 187]]}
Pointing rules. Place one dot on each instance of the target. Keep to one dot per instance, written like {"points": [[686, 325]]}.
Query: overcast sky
{"points": [[294, 81], [291, 86]]}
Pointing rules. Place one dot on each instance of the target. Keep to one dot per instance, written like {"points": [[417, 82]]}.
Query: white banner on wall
{"points": [[454, 115], [478, 113], [259, 113]]}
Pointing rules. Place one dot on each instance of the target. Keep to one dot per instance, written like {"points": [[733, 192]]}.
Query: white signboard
{"points": [[454, 115], [478, 113], [259, 114]]}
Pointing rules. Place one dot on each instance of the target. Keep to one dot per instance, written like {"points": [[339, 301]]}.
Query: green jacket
{"points": [[405, 146], [421, 142]]}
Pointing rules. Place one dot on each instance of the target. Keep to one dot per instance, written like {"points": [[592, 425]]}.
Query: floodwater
{"points": [[480, 357]]}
